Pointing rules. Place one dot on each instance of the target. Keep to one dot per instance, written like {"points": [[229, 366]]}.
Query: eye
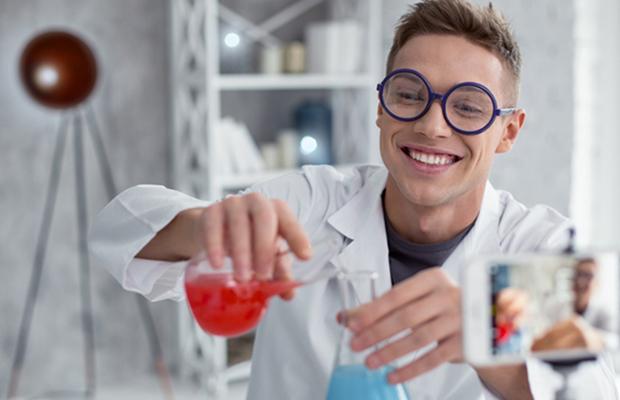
{"points": [[410, 96], [468, 108], [469, 102]]}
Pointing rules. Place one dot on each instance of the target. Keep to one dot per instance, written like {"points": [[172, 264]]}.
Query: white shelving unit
{"points": [[217, 83], [198, 86], [289, 82]]}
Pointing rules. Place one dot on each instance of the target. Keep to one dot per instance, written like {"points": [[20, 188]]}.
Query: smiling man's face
{"points": [[429, 163]]}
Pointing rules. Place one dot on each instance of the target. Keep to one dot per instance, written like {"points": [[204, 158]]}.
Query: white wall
{"points": [[596, 192]]}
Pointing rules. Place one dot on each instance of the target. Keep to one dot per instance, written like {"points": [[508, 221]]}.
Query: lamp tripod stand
{"points": [[75, 119]]}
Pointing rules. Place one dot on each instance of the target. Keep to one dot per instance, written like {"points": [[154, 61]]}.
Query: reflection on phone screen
{"points": [[556, 303]]}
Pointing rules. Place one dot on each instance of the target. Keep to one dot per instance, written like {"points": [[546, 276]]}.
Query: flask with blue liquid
{"points": [[350, 379]]}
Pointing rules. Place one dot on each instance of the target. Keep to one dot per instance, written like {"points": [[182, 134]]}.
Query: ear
{"points": [[379, 115], [511, 131]]}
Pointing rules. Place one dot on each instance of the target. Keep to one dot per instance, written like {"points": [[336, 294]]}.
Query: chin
{"points": [[426, 196]]}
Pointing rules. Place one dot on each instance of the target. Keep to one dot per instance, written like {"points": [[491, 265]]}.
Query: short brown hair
{"points": [[481, 25]]}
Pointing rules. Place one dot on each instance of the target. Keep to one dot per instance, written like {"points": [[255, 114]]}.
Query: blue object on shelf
{"points": [[313, 122]]}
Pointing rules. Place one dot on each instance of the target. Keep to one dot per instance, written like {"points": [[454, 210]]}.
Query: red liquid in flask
{"points": [[225, 307]]}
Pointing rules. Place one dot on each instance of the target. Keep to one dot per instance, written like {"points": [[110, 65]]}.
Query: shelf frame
{"points": [[197, 90]]}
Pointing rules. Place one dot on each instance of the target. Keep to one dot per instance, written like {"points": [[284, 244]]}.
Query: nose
{"points": [[433, 124]]}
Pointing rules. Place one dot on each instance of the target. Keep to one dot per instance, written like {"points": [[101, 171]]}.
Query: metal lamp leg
{"points": [[39, 258], [84, 271]]}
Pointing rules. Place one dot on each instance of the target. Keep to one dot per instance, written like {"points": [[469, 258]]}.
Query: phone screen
{"points": [[550, 304]]}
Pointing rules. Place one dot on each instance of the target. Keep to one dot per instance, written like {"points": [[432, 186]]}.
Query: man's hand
{"points": [[573, 333], [250, 229], [427, 307]]}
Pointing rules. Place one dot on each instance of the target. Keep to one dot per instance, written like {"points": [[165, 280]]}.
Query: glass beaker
{"points": [[350, 379]]}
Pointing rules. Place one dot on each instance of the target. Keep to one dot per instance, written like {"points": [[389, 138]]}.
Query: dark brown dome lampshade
{"points": [[58, 69]]}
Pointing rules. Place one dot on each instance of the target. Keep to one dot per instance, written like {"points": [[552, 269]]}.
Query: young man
{"points": [[447, 107]]}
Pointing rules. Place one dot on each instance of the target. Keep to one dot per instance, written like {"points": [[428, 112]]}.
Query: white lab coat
{"points": [[296, 340]]}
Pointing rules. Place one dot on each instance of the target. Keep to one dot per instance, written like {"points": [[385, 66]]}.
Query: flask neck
{"points": [[355, 288]]}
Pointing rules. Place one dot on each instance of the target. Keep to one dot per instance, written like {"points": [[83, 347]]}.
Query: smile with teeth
{"points": [[430, 159]]}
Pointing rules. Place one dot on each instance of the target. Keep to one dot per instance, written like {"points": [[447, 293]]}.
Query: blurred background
{"points": [[210, 96]]}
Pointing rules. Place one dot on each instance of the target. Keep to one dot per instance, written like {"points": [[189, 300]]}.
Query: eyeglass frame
{"points": [[433, 96]]}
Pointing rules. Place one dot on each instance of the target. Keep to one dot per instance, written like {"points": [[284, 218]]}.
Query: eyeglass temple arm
{"points": [[505, 111]]}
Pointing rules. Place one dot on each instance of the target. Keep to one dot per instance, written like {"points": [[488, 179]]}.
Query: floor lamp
{"points": [[59, 70]]}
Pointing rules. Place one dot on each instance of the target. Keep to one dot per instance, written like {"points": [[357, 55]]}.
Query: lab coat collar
{"points": [[484, 237], [366, 208], [351, 219], [362, 221]]}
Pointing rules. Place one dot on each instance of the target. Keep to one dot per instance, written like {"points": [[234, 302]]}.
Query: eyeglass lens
{"points": [[467, 108]]}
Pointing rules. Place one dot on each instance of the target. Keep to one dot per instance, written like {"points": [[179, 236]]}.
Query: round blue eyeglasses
{"points": [[468, 107]]}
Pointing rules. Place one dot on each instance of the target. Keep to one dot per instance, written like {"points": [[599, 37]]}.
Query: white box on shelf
{"points": [[288, 142], [334, 47]]}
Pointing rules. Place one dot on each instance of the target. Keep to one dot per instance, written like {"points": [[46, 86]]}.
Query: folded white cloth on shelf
{"points": [[235, 148]]}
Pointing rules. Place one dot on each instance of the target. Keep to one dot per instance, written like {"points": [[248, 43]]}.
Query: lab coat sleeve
{"points": [[135, 216], [125, 226], [542, 389], [590, 380]]}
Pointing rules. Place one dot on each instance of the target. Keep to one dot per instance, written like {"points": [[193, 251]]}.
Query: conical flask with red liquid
{"points": [[224, 306], [350, 379]]}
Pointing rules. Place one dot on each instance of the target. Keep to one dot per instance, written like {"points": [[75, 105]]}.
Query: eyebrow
{"points": [[470, 88], [408, 78]]}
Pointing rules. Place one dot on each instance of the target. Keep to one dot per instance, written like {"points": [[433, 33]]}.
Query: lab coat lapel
{"points": [[361, 221], [483, 238]]}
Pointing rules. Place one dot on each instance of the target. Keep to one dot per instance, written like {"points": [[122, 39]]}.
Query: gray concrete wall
{"points": [[131, 101], [538, 169]]}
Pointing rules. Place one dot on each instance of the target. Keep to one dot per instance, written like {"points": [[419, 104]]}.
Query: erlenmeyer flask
{"points": [[350, 378], [225, 307]]}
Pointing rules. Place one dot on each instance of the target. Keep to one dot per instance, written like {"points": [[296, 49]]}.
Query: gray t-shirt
{"points": [[408, 258]]}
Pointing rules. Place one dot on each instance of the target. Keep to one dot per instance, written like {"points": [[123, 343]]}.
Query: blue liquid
{"points": [[357, 382]]}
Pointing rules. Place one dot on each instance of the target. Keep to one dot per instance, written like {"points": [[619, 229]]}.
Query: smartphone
{"points": [[556, 307]]}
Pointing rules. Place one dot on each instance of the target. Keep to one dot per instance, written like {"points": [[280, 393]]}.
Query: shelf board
{"points": [[242, 181], [236, 82]]}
